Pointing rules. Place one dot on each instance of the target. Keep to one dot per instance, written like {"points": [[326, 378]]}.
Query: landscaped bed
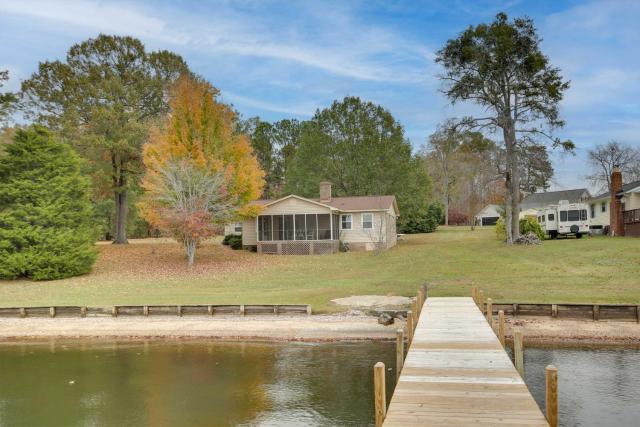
{"points": [[154, 271]]}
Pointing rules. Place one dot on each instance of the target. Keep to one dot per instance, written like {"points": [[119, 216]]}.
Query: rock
{"points": [[385, 319], [529, 239]]}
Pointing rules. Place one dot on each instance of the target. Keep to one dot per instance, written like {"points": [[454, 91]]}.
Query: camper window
{"points": [[563, 216], [574, 215], [583, 215], [551, 217]]}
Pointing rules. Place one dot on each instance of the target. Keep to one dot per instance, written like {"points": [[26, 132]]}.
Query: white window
{"points": [[238, 227], [367, 221], [345, 222]]}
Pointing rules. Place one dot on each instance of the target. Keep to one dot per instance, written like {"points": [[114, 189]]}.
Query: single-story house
{"points": [[621, 209], [489, 215], [297, 225]]}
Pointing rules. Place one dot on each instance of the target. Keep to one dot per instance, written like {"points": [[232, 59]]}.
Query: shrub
{"points": [[531, 225], [527, 225], [234, 241], [457, 217], [46, 228], [426, 222]]}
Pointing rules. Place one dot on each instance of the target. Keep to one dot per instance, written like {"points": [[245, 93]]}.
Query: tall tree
{"points": [[535, 166], [361, 149], [500, 67], [46, 229], [200, 171], [7, 99], [103, 98], [604, 158], [275, 145]]}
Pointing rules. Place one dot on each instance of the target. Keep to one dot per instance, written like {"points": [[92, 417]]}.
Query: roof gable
{"points": [[553, 197]]}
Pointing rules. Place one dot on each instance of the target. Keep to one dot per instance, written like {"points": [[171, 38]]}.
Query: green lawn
{"points": [[603, 270]]}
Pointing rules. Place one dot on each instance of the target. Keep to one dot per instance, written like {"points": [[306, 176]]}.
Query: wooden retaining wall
{"points": [[154, 310], [570, 311]]}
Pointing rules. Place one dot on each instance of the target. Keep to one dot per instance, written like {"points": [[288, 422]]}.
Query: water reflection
{"points": [[192, 383], [597, 386]]}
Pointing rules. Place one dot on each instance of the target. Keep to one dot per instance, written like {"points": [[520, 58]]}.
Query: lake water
{"points": [[95, 383]]}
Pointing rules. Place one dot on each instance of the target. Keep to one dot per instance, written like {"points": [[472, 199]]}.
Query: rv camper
{"points": [[564, 219]]}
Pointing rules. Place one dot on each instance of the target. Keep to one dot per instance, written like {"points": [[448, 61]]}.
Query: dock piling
{"points": [[399, 352], [490, 312], [552, 395], [379, 393], [501, 327], [518, 352]]}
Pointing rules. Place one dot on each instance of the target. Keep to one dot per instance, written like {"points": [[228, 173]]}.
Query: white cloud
{"points": [[300, 110]]}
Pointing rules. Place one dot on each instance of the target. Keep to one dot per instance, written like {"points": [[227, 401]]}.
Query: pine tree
{"points": [[46, 230]]}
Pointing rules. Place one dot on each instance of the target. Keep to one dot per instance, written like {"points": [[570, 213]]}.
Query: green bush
{"points": [[531, 225], [527, 225], [46, 229], [426, 222], [234, 241]]}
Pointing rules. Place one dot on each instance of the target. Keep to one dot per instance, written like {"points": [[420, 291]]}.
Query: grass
{"points": [[598, 270]]}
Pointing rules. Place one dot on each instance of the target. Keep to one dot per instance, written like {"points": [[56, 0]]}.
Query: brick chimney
{"points": [[616, 219], [325, 191]]}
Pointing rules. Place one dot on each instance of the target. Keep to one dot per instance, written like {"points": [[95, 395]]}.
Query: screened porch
{"points": [[298, 234]]}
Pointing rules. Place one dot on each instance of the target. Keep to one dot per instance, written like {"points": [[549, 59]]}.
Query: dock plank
{"points": [[456, 373]]}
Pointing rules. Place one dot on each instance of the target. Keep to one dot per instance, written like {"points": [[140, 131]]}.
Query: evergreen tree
{"points": [[46, 230]]}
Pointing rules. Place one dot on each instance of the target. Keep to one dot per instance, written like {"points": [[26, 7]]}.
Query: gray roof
{"points": [[627, 187], [354, 203], [536, 200]]}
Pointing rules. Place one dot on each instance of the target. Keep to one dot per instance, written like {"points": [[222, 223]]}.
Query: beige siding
{"points": [[383, 231], [249, 232], [294, 206], [632, 201], [230, 228], [601, 218]]}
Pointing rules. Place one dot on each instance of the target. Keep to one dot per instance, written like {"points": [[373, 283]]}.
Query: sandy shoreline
{"points": [[337, 327]]}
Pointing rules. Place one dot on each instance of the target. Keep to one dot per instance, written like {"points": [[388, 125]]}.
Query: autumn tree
{"points": [[604, 158], [500, 67], [200, 172], [103, 98]]}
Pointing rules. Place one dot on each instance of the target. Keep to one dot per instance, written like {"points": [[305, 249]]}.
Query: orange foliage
{"points": [[202, 130]]}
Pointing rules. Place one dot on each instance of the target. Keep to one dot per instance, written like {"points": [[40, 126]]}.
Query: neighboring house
{"points": [[489, 215], [234, 228], [622, 210], [534, 201], [298, 226]]}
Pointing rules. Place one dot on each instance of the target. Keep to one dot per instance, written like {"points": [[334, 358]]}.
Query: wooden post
{"points": [[552, 395], [596, 312], [416, 312], [23, 312], [83, 311], [308, 310], [554, 310], [515, 310], [179, 310], [425, 291], [379, 391], [242, 309], [409, 326], [518, 352], [52, 311], [490, 312], [210, 310], [399, 352], [114, 311], [420, 299], [481, 300], [637, 313], [474, 294], [501, 327], [145, 310]]}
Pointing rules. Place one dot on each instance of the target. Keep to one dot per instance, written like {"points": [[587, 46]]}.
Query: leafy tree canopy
{"points": [[361, 149]]}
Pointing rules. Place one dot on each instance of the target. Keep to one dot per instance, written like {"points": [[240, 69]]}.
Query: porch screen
{"points": [[296, 227], [324, 227]]}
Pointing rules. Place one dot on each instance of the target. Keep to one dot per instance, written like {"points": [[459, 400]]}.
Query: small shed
{"points": [[489, 215]]}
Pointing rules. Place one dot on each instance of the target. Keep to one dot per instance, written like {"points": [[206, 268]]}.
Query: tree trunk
{"points": [[512, 226], [122, 209], [190, 248], [446, 198]]}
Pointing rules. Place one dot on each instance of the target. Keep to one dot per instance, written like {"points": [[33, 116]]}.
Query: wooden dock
{"points": [[457, 373]]}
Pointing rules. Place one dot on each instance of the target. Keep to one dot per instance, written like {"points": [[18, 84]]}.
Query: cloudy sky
{"points": [[286, 59]]}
